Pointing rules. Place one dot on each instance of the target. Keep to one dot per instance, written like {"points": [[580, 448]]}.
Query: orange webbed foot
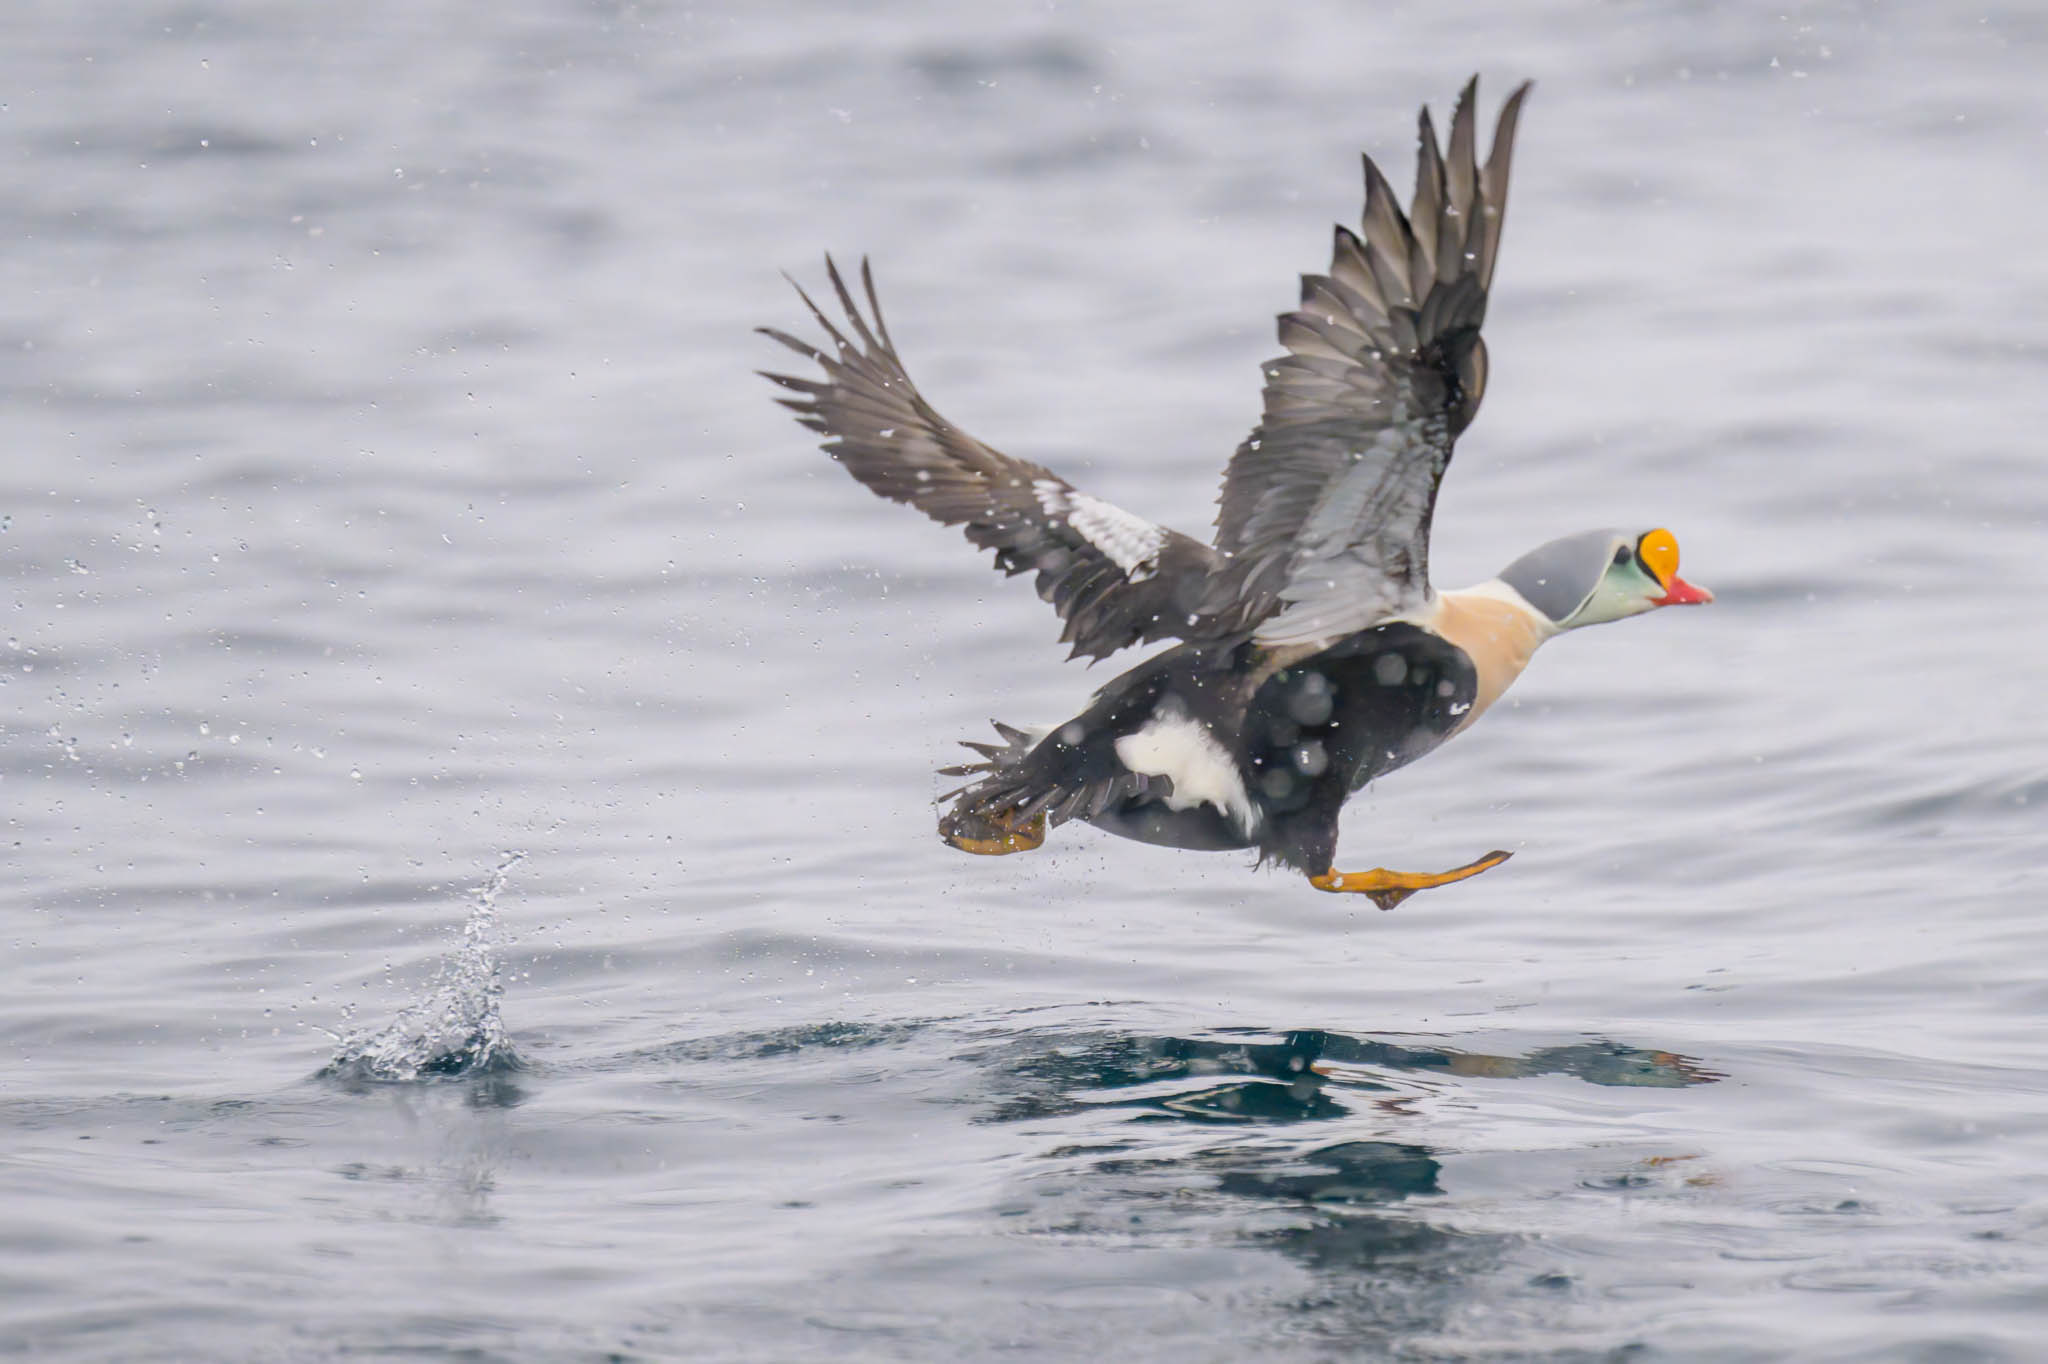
{"points": [[1389, 888], [991, 837]]}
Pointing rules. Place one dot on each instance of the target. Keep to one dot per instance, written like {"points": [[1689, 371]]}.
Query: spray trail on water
{"points": [[455, 1029]]}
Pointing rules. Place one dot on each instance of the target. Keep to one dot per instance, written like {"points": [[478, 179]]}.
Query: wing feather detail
{"points": [[1115, 578], [1326, 507]]}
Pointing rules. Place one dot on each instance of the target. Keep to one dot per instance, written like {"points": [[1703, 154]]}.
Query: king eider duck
{"points": [[1313, 654]]}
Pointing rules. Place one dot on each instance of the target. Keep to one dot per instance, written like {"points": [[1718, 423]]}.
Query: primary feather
{"points": [[1326, 506], [1114, 578]]}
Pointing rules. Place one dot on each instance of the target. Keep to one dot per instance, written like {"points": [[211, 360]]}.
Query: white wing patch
{"points": [[1130, 542], [1174, 745]]}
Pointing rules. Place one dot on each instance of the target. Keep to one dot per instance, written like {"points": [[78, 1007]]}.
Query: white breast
{"points": [[1174, 745]]}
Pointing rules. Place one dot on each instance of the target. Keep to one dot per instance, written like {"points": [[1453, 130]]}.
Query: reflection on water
{"points": [[1362, 1213], [1291, 1079], [1598, 1062]]}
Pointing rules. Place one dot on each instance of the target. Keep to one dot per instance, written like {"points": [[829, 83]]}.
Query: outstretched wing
{"points": [[1326, 506], [1113, 577]]}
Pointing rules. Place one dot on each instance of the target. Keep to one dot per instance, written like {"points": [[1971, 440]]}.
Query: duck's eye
{"points": [[1623, 555]]}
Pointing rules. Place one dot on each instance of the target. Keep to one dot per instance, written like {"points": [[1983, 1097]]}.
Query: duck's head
{"points": [[1602, 575]]}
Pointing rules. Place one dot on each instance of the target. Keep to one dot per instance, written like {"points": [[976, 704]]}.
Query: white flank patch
{"points": [[1174, 745], [1130, 542]]}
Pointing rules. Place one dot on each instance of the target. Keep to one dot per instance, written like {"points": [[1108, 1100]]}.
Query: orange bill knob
{"points": [[1658, 551]]}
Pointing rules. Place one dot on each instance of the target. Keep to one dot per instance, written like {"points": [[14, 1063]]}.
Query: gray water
{"points": [[467, 774]]}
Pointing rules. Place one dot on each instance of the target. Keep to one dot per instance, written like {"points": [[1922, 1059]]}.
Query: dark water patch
{"points": [[1245, 1102], [779, 1043], [128, 144], [485, 1076], [1349, 1172], [961, 68], [2013, 795]]}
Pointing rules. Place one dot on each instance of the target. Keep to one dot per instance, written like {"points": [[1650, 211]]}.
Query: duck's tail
{"points": [[999, 811], [1028, 783]]}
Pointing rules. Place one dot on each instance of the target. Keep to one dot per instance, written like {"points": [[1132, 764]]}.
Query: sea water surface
{"points": [[467, 770]]}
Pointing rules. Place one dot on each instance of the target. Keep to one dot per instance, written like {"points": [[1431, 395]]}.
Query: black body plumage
{"points": [[1302, 734]]}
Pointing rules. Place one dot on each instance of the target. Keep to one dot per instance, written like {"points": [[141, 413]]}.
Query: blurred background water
{"points": [[386, 492]]}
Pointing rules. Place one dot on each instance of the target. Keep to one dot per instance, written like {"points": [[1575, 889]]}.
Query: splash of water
{"points": [[455, 1028]]}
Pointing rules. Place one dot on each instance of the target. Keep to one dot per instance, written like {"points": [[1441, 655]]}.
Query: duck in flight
{"points": [[1313, 654]]}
